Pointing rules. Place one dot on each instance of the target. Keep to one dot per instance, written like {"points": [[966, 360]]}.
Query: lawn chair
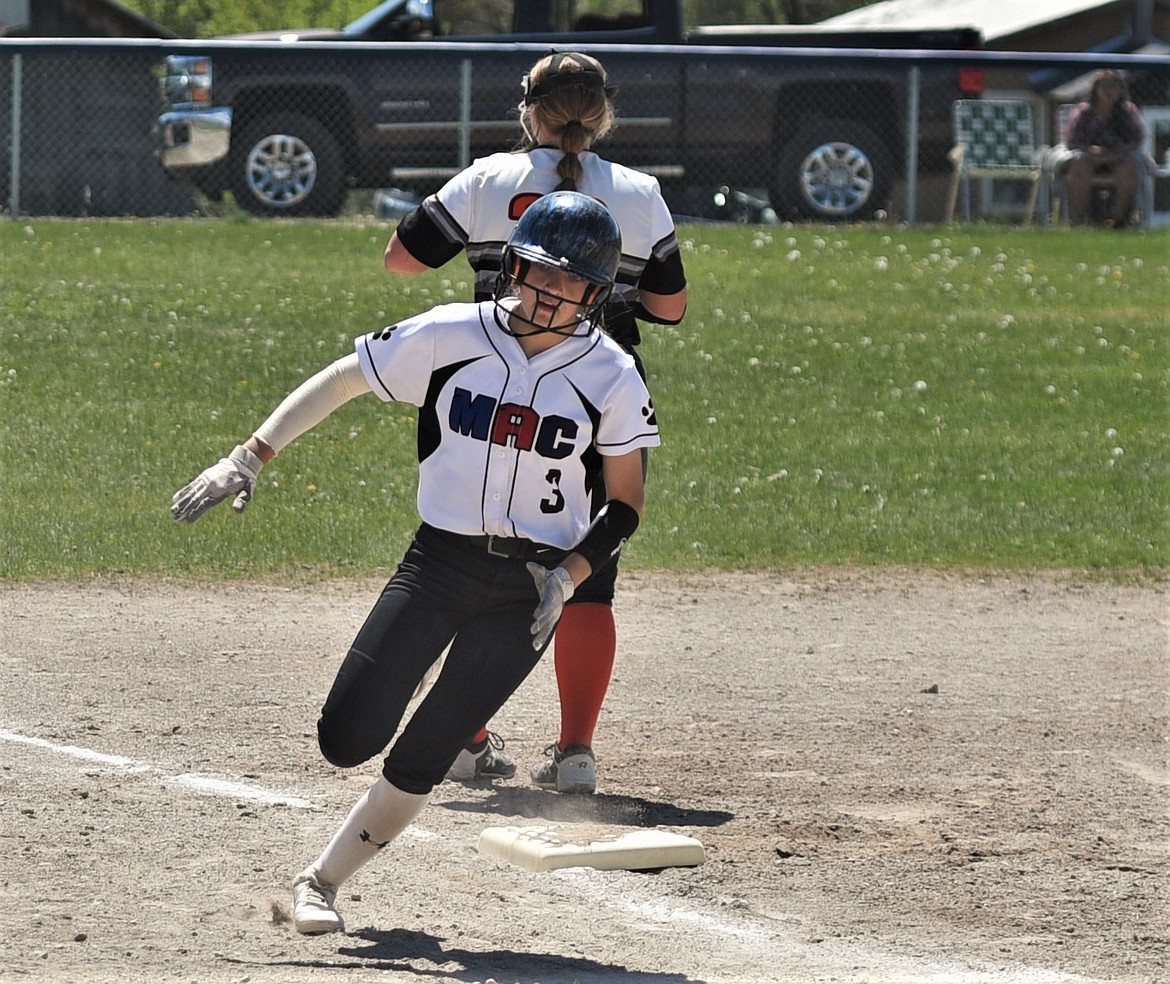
{"points": [[994, 138]]}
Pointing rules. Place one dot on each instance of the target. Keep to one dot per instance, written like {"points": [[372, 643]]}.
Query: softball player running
{"points": [[527, 412], [567, 105]]}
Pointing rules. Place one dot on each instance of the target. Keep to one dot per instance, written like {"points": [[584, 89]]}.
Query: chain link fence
{"points": [[145, 128]]}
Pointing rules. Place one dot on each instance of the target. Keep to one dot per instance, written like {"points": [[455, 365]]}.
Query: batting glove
{"points": [[233, 475], [555, 587]]}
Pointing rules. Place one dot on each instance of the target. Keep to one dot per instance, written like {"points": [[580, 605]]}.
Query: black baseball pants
{"points": [[448, 590]]}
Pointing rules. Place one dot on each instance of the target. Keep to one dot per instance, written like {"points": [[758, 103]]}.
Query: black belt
{"points": [[512, 547]]}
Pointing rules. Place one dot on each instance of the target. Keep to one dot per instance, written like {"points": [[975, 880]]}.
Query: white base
{"points": [[542, 849]]}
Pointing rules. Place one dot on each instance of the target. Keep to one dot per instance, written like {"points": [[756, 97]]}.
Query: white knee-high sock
{"points": [[382, 813]]}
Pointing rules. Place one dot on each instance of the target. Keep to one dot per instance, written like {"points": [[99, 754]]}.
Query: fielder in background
{"points": [[526, 411], [567, 105]]}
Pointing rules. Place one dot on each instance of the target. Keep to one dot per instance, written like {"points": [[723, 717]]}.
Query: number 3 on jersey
{"points": [[557, 502]]}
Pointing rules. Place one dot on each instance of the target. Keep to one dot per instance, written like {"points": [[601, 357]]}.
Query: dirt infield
{"points": [[896, 778]]}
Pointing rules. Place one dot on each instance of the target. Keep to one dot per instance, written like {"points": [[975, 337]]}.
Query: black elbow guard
{"points": [[643, 315], [614, 525]]}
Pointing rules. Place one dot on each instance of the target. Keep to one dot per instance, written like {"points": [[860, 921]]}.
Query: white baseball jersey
{"points": [[529, 434], [480, 206]]}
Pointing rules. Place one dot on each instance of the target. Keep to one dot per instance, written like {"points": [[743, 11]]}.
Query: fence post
{"points": [[465, 113], [912, 110], [14, 172]]}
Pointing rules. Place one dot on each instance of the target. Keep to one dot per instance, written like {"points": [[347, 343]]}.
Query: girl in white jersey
{"points": [[567, 106], [526, 412]]}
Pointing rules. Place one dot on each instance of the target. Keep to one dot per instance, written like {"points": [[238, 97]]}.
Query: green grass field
{"points": [[981, 397]]}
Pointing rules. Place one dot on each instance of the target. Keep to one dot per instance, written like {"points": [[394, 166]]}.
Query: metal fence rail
{"points": [[87, 126]]}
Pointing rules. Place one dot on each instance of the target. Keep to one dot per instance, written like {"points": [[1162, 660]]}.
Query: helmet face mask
{"points": [[566, 232], [551, 298]]}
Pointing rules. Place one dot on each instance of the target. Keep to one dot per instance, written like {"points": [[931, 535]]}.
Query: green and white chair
{"points": [[994, 138]]}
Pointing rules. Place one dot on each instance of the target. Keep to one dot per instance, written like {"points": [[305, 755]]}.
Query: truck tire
{"points": [[834, 171], [287, 164]]}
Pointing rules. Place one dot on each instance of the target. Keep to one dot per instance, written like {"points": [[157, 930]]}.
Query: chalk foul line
{"points": [[204, 785]]}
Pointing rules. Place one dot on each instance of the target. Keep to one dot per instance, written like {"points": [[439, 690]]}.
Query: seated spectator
{"points": [[1103, 137]]}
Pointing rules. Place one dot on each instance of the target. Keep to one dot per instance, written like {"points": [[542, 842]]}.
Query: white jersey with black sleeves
{"points": [[480, 206], [528, 433]]}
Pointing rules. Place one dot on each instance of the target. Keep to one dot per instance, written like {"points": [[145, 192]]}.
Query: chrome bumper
{"points": [[191, 138]]}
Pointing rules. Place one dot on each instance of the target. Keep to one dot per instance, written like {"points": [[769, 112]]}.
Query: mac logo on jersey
{"points": [[511, 425]]}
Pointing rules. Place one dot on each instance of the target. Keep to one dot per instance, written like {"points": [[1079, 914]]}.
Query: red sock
{"points": [[586, 642], [479, 739]]}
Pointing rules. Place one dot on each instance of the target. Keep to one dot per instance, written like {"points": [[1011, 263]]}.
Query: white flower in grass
{"points": [[1117, 452], [881, 263], [920, 386], [793, 255], [1111, 433], [1050, 390]]}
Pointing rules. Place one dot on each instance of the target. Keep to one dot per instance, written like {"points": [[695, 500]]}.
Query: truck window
{"points": [[476, 17], [456, 17], [605, 15]]}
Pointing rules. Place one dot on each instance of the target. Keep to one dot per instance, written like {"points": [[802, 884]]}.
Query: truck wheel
{"points": [[833, 170], [287, 164]]}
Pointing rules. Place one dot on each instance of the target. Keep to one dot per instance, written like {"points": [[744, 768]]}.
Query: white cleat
{"points": [[572, 771], [313, 911], [488, 762]]}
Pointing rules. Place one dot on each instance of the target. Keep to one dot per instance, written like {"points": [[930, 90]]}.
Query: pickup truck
{"points": [[413, 90]]}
